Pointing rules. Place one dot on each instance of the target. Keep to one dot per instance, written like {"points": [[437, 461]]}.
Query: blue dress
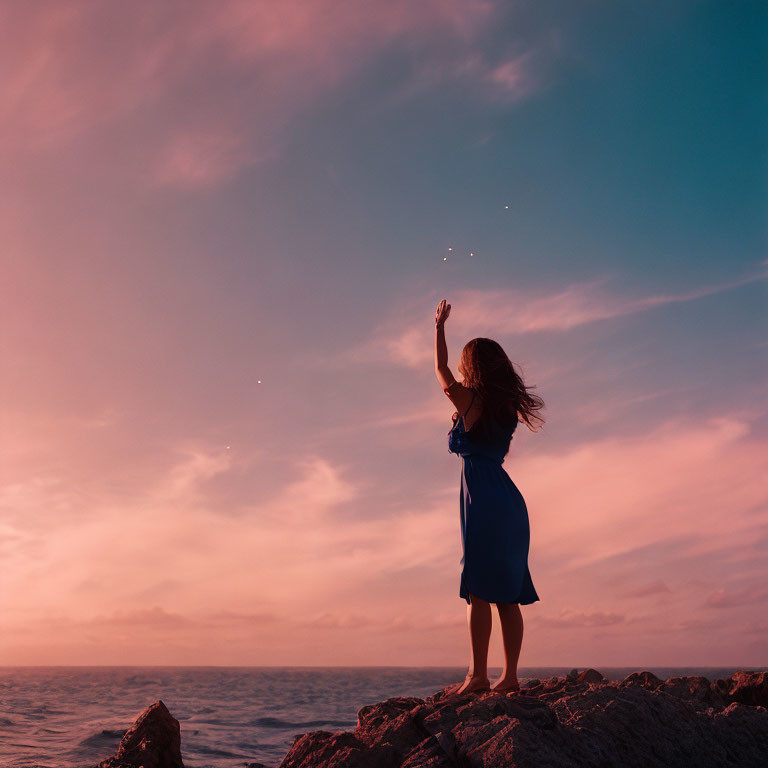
{"points": [[495, 531]]}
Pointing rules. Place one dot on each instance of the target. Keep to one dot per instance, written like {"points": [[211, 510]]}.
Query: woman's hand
{"points": [[441, 313]]}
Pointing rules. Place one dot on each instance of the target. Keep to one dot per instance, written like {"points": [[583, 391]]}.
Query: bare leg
{"points": [[480, 622], [512, 631]]}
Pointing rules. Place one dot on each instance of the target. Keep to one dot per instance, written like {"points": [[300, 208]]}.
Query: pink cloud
{"points": [[145, 85], [635, 490], [334, 621], [154, 616], [197, 159], [294, 564], [728, 598], [226, 617], [515, 77], [651, 588]]}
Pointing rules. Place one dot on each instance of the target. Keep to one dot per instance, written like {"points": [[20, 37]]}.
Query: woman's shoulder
{"points": [[462, 397]]}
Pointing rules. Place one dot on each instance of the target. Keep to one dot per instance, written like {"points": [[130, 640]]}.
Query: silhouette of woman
{"points": [[495, 531]]}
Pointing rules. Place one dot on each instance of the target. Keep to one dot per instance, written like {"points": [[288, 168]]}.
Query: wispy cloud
{"points": [[507, 80], [570, 619], [407, 337]]}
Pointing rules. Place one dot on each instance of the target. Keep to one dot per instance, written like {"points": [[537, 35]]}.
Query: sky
{"points": [[224, 231]]}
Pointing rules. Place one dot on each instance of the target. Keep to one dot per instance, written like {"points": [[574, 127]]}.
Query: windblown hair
{"points": [[491, 374]]}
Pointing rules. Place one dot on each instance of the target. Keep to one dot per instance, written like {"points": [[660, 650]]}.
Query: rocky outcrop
{"points": [[579, 721], [154, 741], [748, 688]]}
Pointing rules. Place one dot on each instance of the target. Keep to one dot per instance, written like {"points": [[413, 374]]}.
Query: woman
{"points": [[495, 531]]}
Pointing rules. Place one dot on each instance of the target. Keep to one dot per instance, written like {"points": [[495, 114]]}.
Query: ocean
{"points": [[73, 717]]}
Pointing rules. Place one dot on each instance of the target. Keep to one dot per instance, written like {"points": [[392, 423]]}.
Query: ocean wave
{"points": [[138, 680], [310, 725], [105, 735], [216, 751]]}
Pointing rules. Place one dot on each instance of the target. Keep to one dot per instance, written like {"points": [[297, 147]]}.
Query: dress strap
{"points": [[470, 404]]}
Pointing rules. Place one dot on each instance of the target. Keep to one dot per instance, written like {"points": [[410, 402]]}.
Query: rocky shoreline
{"points": [[577, 721]]}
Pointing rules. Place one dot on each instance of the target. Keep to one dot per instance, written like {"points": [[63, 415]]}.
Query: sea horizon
{"points": [[369, 666]]}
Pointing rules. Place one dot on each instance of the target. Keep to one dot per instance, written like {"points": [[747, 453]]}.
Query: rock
{"points": [[153, 741], [694, 687], [577, 721], [337, 750], [581, 720], [644, 679], [392, 722], [590, 676], [749, 688], [573, 674]]}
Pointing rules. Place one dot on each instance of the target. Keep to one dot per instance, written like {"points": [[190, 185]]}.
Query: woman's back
{"points": [[473, 440]]}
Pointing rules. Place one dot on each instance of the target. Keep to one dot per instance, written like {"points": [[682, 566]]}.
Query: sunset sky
{"points": [[224, 230]]}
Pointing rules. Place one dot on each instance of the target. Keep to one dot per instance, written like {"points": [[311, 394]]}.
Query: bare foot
{"points": [[506, 685], [471, 684]]}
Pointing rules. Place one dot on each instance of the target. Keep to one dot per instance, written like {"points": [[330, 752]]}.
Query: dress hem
{"points": [[496, 602], [463, 587]]}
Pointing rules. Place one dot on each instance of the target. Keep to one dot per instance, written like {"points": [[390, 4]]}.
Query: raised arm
{"points": [[442, 371], [441, 349], [458, 394]]}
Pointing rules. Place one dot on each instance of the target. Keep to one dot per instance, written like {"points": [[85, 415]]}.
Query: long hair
{"points": [[491, 374]]}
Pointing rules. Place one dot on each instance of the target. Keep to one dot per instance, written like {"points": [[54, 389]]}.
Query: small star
{"points": [[450, 249], [228, 447], [506, 206], [259, 381], [471, 254]]}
